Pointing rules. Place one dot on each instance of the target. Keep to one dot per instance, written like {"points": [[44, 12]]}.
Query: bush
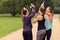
{"points": [[15, 6], [57, 10]]}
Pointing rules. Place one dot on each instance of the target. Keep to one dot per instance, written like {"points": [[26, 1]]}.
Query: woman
{"points": [[41, 23], [27, 25], [48, 22]]}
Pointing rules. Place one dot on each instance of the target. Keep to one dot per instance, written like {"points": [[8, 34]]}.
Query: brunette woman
{"points": [[41, 23], [48, 22], [27, 25]]}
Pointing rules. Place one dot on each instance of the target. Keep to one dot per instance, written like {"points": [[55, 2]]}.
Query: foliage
{"points": [[14, 6], [9, 24]]}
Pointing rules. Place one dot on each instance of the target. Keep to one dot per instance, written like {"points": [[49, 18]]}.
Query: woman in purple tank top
{"points": [[27, 25]]}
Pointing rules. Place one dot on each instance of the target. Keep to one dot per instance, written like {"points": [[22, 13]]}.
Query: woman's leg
{"points": [[44, 37], [27, 35], [49, 34], [24, 35], [40, 34]]}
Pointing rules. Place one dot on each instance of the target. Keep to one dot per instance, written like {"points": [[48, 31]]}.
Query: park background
{"points": [[10, 13]]}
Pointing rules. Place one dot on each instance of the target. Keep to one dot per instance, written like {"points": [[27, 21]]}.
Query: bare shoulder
{"points": [[39, 17]]}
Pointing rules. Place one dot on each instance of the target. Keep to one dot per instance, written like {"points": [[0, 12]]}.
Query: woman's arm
{"points": [[50, 17], [40, 17], [32, 13], [42, 5], [35, 19]]}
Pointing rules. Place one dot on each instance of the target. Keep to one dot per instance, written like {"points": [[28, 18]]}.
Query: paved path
{"points": [[17, 35]]}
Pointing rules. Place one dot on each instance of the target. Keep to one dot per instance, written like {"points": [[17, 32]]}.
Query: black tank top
{"points": [[41, 24]]}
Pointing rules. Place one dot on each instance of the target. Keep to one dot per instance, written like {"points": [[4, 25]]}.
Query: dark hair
{"points": [[51, 11], [42, 10], [24, 12]]}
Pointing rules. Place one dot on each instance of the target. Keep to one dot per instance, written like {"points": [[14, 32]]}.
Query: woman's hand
{"points": [[42, 5], [32, 5], [39, 17], [50, 16]]}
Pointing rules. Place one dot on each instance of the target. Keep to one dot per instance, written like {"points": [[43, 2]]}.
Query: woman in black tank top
{"points": [[41, 24]]}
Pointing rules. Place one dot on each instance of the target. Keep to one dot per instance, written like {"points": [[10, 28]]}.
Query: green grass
{"points": [[9, 24]]}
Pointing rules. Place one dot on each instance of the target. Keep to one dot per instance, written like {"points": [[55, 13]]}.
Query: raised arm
{"points": [[35, 19], [38, 18], [32, 12], [42, 5], [23, 12], [50, 17]]}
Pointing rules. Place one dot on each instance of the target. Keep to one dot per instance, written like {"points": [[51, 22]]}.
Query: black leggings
{"points": [[27, 35], [48, 34]]}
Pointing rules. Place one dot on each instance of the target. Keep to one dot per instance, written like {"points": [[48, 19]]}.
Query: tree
{"points": [[15, 6], [0, 0], [10, 7]]}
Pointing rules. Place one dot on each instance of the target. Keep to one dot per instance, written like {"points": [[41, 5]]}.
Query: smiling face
{"points": [[48, 9]]}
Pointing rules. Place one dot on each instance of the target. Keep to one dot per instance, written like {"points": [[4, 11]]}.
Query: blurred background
{"points": [[14, 7]]}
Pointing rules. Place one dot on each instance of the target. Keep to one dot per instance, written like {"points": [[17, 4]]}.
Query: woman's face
{"points": [[47, 9]]}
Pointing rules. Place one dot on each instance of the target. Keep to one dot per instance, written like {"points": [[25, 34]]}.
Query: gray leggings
{"points": [[40, 34]]}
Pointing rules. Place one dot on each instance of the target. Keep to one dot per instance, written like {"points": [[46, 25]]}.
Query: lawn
{"points": [[9, 24]]}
